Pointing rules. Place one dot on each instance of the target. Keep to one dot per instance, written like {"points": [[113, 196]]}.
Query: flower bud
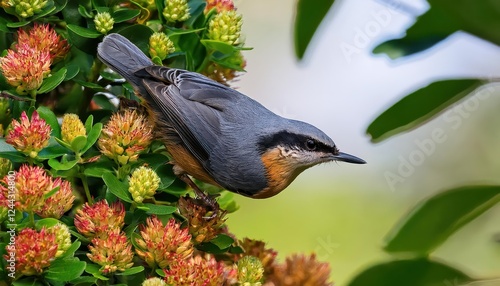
{"points": [[29, 136], [113, 252], [44, 38], [196, 271], [250, 271], [176, 10], [33, 251], [103, 22], [301, 270], [59, 202], [63, 237], [25, 68], [225, 27], [155, 281], [31, 183], [98, 219], [28, 8], [143, 183], [161, 245], [203, 227], [125, 136], [71, 127], [160, 45]]}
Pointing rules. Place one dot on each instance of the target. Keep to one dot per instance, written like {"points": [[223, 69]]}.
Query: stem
{"points": [[86, 188], [31, 216]]}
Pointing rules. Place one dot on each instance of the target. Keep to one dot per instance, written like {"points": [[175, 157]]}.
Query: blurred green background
{"points": [[340, 211]]}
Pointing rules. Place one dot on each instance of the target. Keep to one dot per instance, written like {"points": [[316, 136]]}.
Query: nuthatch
{"points": [[215, 133]]}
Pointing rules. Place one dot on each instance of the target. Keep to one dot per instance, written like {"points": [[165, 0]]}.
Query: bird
{"points": [[216, 134]]}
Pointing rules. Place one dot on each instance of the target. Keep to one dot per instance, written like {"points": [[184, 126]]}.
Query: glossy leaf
{"points": [[159, 209], [65, 269], [116, 187], [419, 272], [63, 165], [123, 15], [52, 81], [419, 106], [308, 16], [444, 18], [78, 143], [84, 32], [131, 271], [51, 119], [432, 221], [92, 136]]}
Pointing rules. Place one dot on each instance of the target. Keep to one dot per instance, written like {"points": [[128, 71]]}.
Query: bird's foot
{"points": [[203, 199]]}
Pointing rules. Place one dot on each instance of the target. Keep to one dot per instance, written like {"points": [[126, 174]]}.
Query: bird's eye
{"points": [[310, 145]]}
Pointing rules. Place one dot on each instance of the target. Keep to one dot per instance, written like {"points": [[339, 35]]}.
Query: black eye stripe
{"points": [[293, 141]]}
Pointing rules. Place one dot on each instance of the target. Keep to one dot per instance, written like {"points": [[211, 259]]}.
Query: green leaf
{"points": [[52, 81], [72, 71], [92, 136], [13, 156], [96, 171], [65, 269], [78, 143], [123, 15], [226, 202], [139, 35], [72, 249], [84, 32], [219, 46], [52, 151], [46, 222], [419, 106], [51, 193], [444, 18], [90, 85], [116, 187], [308, 16], [88, 123], [27, 281], [432, 221], [51, 119], [159, 209], [160, 272], [18, 24], [131, 271], [419, 272], [63, 165], [222, 241], [94, 270], [84, 280], [83, 11], [63, 143]]}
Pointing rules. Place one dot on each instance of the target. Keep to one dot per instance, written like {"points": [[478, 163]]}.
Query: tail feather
{"points": [[121, 55]]}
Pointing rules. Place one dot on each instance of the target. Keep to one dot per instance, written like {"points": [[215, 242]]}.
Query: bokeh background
{"points": [[341, 211]]}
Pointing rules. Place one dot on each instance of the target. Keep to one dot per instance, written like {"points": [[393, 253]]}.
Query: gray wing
{"points": [[192, 104]]}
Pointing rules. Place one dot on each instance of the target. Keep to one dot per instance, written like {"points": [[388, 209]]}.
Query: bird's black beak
{"points": [[344, 157]]}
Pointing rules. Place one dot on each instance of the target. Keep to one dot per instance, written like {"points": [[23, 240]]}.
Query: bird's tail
{"points": [[121, 55]]}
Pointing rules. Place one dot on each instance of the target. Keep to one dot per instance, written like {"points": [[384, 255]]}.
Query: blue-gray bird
{"points": [[215, 133]]}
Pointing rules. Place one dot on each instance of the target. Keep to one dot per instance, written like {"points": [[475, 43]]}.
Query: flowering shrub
{"points": [[86, 194]]}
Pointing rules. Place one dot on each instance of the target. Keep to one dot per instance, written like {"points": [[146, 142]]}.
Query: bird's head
{"points": [[286, 153]]}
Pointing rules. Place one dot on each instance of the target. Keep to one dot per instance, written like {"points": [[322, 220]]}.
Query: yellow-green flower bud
{"points": [[71, 127], [143, 184], [63, 238], [5, 167], [103, 22], [250, 271], [28, 8], [155, 281], [176, 10], [160, 45], [226, 27]]}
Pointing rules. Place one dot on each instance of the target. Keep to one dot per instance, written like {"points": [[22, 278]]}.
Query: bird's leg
{"points": [[204, 198]]}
